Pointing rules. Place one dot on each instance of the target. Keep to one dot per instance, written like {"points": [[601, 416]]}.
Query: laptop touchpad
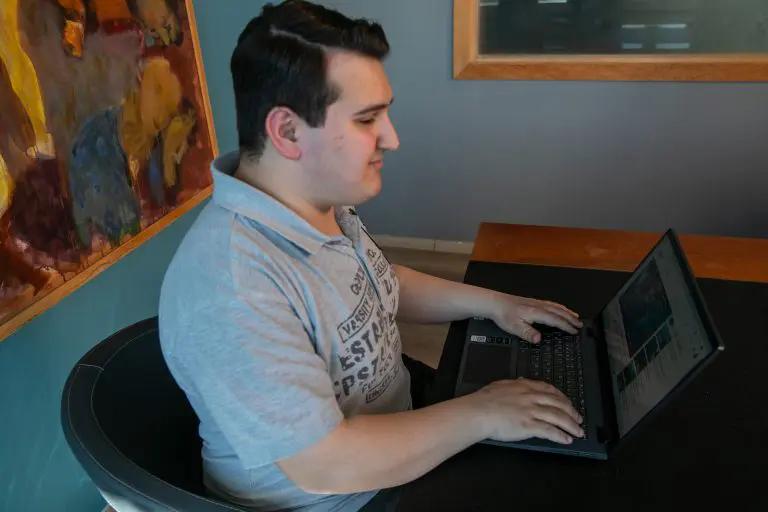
{"points": [[488, 363]]}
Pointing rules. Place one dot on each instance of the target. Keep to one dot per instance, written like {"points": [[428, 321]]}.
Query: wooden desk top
{"points": [[728, 258]]}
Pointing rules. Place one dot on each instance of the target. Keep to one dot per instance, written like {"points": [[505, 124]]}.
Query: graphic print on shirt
{"points": [[381, 266], [370, 340]]}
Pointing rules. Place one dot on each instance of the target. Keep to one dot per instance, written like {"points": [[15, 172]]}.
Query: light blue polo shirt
{"points": [[276, 332]]}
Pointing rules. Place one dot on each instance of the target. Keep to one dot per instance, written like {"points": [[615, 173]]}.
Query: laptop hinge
{"points": [[607, 433]]}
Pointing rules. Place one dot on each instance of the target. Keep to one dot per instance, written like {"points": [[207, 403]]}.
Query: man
{"points": [[277, 315]]}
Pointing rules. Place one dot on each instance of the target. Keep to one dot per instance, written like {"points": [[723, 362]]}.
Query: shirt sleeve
{"points": [[252, 364]]}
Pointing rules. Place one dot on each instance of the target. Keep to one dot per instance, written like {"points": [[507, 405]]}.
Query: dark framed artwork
{"points": [[636, 40]]}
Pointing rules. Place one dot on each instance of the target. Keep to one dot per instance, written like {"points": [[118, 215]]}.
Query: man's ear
{"points": [[281, 127]]}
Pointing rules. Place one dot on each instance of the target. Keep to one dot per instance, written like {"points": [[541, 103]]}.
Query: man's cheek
{"points": [[337, 143]]}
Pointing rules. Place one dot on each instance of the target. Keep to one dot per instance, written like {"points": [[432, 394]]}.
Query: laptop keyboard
{"points": [[556, 359]]}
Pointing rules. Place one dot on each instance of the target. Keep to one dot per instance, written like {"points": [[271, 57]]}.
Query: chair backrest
{"points": [[131, 427]]}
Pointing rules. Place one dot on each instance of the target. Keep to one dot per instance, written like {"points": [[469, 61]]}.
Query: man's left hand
{"points": [[517, 315]]}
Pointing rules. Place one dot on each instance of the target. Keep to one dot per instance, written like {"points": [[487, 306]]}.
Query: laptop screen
{"points": [[654, 333]]}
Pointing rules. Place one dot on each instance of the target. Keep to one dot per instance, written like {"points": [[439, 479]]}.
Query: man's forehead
{"points": [[361, 80]]}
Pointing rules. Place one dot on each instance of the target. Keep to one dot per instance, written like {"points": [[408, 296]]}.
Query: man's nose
{"points": [[388, 140]]}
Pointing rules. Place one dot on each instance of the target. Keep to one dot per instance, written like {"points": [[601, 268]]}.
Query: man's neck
{"points": [[321, 218]]}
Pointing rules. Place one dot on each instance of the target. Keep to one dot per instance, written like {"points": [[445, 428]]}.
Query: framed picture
{"points": [[106, 137], [664, 40]]}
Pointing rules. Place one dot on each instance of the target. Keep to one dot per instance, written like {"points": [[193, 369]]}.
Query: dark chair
{"points": [[132, 428]]}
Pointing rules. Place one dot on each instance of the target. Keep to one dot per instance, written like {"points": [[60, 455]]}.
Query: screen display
{"points": [[654, 333]]}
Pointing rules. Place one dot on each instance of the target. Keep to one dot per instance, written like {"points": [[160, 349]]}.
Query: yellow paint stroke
{"points": [[159, 95], [22, 73], [136, 143], [73, 38], [148, 110], [74, 26], [159, 20], [175, 144], [6, 187]]}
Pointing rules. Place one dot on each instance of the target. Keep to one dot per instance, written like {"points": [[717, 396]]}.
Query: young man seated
{"points": [[277, 314]]}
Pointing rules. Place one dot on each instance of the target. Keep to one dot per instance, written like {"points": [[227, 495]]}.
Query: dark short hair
{"points": [[280, 60]]}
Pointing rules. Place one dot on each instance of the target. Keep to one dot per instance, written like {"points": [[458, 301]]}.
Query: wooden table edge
{"points": [[715, 257]]}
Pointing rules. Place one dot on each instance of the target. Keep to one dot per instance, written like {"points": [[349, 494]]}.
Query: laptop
{"points": [[645, 345]]}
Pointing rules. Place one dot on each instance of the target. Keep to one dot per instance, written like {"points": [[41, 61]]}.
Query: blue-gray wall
{"points": [[619, 155], [38, 472], [625, 155]]}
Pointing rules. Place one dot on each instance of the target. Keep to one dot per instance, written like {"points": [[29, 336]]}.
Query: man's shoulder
{"points": [[221, 237], [222, 256], [203, 285]]}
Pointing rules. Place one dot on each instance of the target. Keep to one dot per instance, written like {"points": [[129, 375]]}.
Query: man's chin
{"points": [[374, 189], [366, 195]]}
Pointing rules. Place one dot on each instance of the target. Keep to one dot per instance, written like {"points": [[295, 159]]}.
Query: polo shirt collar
{"points": [[239, 197]]}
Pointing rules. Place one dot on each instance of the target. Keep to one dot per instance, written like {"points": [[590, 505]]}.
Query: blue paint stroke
{"points": [[155, 174], [101, 195]]}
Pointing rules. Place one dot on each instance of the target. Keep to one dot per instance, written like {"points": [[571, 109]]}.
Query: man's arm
{"points": [[377, 451], [429, 299]]}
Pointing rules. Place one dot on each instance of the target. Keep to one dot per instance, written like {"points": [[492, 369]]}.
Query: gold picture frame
{"points": [[469, 64]]}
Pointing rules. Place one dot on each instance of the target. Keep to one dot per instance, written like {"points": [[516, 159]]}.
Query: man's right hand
{"points": [[374, 451], [513, 410]]}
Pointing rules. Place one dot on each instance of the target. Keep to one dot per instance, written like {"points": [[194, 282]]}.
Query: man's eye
{"points": [[367, 120]]}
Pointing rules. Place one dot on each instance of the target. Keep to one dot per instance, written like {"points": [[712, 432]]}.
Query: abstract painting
{"points": [[105, 138]]}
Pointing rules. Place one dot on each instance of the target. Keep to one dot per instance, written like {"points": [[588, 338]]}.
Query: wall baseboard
{"points": [[425, 244]]}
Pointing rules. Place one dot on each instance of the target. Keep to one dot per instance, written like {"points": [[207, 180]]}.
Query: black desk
{"points": [[708, 447]]}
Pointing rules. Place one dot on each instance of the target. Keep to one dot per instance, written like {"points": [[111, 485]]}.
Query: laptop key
{"points": [[523, 359], [535, 363]]}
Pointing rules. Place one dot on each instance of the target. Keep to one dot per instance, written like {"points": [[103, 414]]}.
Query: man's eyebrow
{"points": [[373, 108]]}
